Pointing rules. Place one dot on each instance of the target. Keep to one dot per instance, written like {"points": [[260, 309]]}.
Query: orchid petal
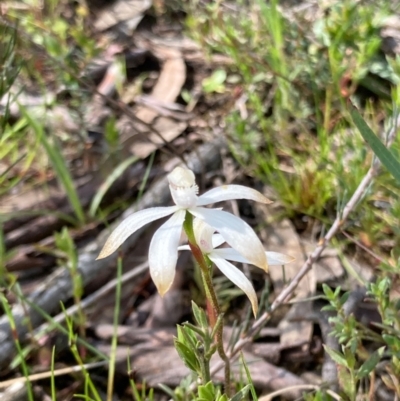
{"points": [[237, 278], [229, 192], [238, 234], [131, 224], [203, 235], [273, 258], [163, 252], [230, 254], [217, 240], [278, 259]]}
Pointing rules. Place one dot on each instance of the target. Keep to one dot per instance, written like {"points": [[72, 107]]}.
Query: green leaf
{"points": [[346, 382], [336, 356], [327, 291], [199, 315], [328, 308], [111, 178], [218, 324], [344, 298], [369, 365], [350, 357], [249, 378], [186, 336], [195, 329], [207, 391], [392, 341], [59, 165], [384, 285], [215, 82], [169, 391], [382, 152], [188, 357], [240, 395]]}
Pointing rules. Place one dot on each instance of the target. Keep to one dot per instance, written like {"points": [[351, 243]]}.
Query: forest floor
{"points": [[100, 100]]}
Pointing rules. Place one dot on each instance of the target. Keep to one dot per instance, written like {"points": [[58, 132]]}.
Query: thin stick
{"points": [[46, 375], [93, 298], [304, 387]]}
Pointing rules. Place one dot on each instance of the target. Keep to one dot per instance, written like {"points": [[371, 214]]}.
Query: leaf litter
{"points": [[162, 122]]}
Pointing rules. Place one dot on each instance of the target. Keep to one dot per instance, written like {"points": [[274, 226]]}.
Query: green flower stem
{"points": [[211, 295], [212, 311], [205, 367]]}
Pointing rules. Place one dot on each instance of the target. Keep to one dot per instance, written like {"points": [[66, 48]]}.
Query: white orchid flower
{"points": [[163, 252], [208, 241]]}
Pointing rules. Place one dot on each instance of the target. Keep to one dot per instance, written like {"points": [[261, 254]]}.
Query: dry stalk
{"points": [[53, 373], [90, 299]]}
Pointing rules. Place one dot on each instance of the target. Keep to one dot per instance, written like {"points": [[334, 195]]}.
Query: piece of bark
{"points": [[165, 109], [138, 137], [390, 34], [166, 311], [128, 12], [269, 377], [96, 111], [38, 229], [138, 317], [140, 335], [147, 143], [42, 226], [86, 303], [41, 107], [16, 392], [29, 257], [271, 352], [358, 272], [58, 286], [329, 370], [26, 259], [30, 201], [19, 392], [328, 267]]}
